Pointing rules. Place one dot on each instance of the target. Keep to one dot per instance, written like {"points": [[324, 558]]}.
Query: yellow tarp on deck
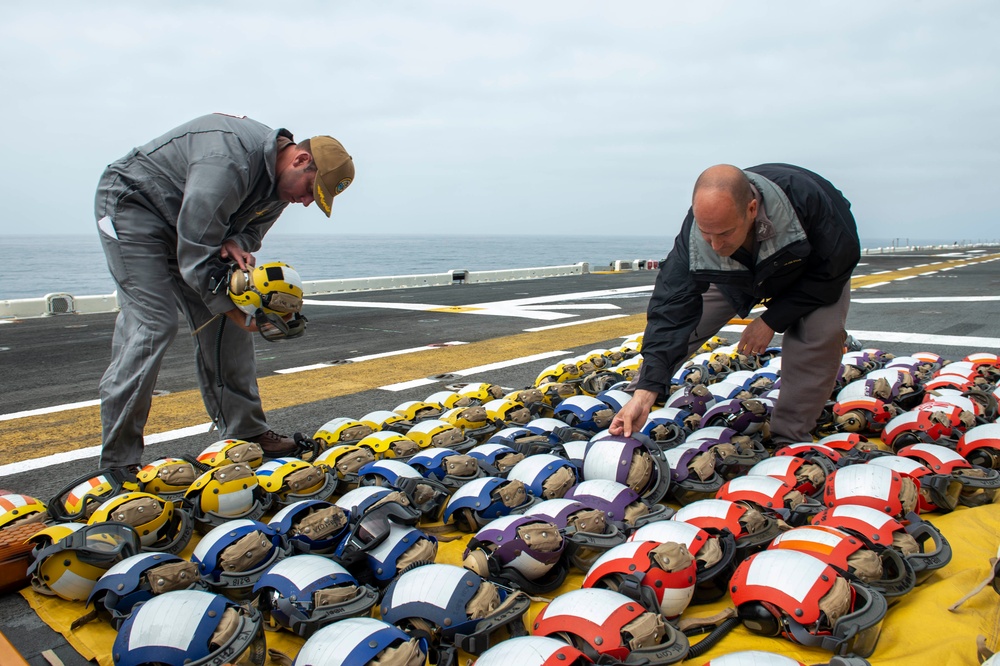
{"points": [[918, 629]]}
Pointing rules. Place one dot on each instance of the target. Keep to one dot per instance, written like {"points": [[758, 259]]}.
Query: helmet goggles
{"points": [[101, 544], [373, 527], [272, 327]]}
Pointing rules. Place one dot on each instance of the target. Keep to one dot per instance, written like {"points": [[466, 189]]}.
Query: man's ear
{"points": [[752, 208], [302, 159]]}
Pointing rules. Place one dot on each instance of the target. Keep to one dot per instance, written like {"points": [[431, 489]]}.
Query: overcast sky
{"points": [[521, 117]]}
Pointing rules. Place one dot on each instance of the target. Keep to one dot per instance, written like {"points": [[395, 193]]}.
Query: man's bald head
{"points": [[724, 208], [727, 179]]}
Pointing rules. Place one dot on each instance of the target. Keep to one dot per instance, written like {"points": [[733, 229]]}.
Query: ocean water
{"points": [[35, 265], [38, 265]]}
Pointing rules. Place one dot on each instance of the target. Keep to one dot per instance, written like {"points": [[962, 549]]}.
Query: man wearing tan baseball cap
{"points": [[335, 170], [173, 213], [317, 169]]}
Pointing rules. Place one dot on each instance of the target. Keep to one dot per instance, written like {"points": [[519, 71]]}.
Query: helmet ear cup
{"points": [[759, 619], [238, 282]]}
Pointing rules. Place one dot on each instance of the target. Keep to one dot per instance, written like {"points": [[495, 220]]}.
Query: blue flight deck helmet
{"points": [[306, 592], [359, 641], [203, 629]]}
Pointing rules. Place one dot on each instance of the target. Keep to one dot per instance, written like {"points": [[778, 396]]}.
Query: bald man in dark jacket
{"points": [[773, 234]]}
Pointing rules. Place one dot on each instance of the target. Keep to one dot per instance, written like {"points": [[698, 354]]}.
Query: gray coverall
{"points": [[163, 212]]}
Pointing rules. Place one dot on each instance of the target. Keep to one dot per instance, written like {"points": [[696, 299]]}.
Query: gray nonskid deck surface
{"points": [[60, 360]]}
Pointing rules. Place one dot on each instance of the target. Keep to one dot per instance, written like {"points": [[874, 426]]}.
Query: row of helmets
{"points": [[538, 499]]}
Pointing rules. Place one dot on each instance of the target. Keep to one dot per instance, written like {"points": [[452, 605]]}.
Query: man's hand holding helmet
{"points": [[268, 298], [632, 416]]}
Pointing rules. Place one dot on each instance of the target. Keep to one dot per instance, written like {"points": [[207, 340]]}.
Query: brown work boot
{"points": [[274, 445]]}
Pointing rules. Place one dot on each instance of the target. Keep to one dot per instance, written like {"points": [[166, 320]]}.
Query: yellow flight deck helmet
{"points": [[20, 508], [389, 444], [526, 396], [555, 392], [481, 392], [343, 430], [712, 344], [274, 287], [345, 460], [449, 399], [473, 420], [290, 480], [71, 557], [511, 412], [225, 493], [629, 368], [564, 371], [416, 410], [272, 294], [161, 527], [437, 433], [383, 419], [228, 451], [633, 341], [599, 358], [168, 478]]}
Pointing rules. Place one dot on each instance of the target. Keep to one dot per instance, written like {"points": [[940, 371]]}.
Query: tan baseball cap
{"points": [[336, 170]]}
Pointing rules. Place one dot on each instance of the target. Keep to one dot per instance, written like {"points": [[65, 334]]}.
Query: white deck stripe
{"points": [[369, 357], [555, 298], [874, 284], [927, 339], [49, 410], [413, 383], [910, 338], [402, 386], [373, 304], [518, 307], [573, 323], [94, 451], [927, 299], [575, 306]]}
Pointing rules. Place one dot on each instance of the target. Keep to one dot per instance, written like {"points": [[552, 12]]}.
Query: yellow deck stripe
{"points": [[865, 280]]}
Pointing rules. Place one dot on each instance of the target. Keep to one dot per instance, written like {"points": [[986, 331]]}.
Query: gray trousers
{"points": [[811, 351], [143, 262]]}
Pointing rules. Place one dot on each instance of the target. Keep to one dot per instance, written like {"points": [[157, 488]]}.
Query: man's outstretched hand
{"points": [[632, 416], [756, 338]]}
